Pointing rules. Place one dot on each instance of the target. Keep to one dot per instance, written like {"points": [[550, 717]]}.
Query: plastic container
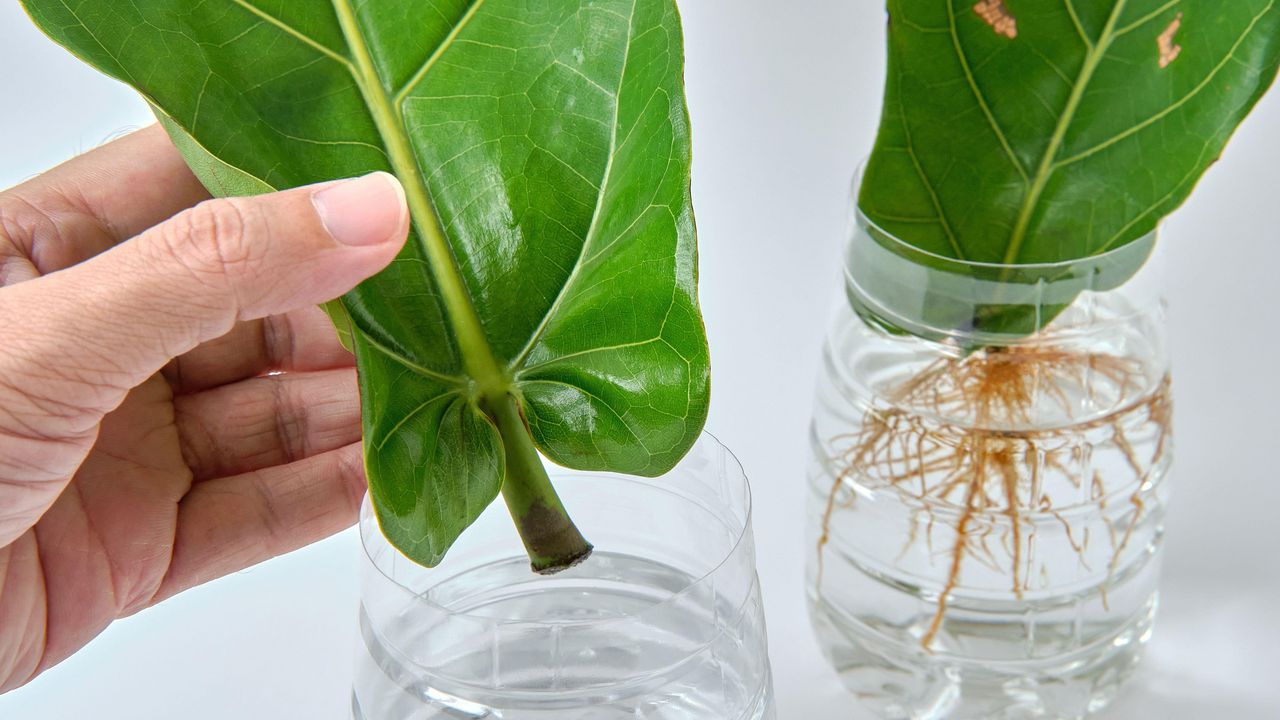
{"points": [[663, 622], [989, 452]]}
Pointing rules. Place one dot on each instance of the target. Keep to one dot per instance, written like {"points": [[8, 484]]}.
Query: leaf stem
{"points": [[550, 537]]}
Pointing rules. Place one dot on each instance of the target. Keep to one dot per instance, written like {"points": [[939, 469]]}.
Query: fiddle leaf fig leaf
{"points": [[1020, 131], [547, 295]]}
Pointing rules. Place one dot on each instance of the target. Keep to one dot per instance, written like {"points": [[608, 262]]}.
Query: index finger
{"points": [[96, 200]]}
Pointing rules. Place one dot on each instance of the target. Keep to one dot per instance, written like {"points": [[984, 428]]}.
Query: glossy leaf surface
{"points": [[1030, 131], [544, 148]]}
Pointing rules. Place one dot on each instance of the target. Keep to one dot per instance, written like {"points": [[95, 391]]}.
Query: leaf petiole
{"points": [[550, 537]]}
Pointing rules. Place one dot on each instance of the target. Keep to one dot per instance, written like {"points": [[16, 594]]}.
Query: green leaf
{"points": [[544, 149], [1037, 131]]}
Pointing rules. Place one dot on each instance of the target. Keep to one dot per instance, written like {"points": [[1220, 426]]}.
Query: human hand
{"points": [[144, 448]]}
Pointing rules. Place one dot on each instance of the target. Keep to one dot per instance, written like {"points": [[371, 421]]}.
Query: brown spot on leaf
{"points": [[995, 14], [1169, 51]]}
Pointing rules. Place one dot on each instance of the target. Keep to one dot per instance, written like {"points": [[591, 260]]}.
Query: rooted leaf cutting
{"points": [[1020, 142], [546, 300]]}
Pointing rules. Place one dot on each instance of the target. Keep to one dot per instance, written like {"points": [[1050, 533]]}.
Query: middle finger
{"points": [[267, 421], [303, 340]]}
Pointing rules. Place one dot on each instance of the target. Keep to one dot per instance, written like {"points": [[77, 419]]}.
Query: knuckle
{"points": [[290, 421], [22, 226], [218, 238], [14, 216]]}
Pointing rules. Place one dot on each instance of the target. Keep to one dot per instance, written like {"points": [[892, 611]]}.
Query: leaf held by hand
{"points": [[544, 148]]}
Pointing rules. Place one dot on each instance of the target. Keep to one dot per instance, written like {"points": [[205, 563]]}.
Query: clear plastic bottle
{"points": [[985, 504], [663, 622]]}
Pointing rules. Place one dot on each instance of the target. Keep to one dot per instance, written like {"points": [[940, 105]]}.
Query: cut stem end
{"points": [[553, 542]]}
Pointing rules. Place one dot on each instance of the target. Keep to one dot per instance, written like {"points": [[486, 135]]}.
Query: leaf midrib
{"points": [[477, 356], [1093, 57]]}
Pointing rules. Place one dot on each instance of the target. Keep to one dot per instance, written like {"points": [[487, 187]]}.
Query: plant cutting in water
{"points": [[546, 300], [1016, 136]]}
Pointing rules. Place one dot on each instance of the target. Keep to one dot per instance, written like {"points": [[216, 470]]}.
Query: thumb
{"points": [[99, 328]]}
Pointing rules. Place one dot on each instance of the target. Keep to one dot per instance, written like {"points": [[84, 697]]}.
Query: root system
{"points": [[990, 469]]}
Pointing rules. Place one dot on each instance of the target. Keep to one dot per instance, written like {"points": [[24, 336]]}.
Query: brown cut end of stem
{"points": [[553, 541]]}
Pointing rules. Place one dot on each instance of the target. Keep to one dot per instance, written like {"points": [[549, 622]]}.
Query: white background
{"points": [[785, 99]]}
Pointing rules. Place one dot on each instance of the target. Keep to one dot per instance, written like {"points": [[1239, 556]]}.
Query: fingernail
{"points": [[362, 211]]}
